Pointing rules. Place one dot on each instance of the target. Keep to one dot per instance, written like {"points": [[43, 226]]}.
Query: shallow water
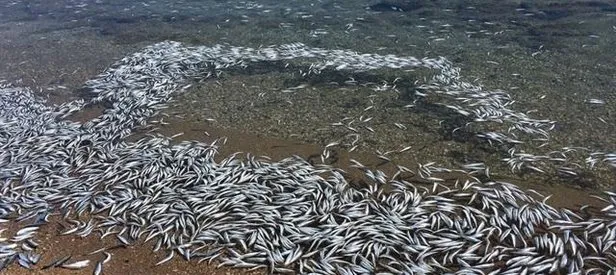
{"points": [[554, 60]]}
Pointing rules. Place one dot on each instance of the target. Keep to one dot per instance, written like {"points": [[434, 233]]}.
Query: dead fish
{"points": [[98, 270], [166, 259], [76, 265]]}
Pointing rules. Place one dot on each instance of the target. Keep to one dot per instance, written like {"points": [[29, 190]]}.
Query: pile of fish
{"points": [[287, 216]]}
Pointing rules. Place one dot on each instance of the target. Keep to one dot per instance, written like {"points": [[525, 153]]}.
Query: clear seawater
{"points": [[556, 59]]}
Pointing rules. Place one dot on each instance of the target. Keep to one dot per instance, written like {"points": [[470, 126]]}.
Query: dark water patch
{"points": [[268, 24], [427, 13], [85, 93], [135, 34], [558, 30], [593, 4], [609, 9], [451, 128], [533, 35], [174, 18], [129, 38], [396, 6], [127, 20], [553, 14], [19, 17], [111, 25], [106, 31], [386, 7], [525, 5], [102, 20], [581, 6]]}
